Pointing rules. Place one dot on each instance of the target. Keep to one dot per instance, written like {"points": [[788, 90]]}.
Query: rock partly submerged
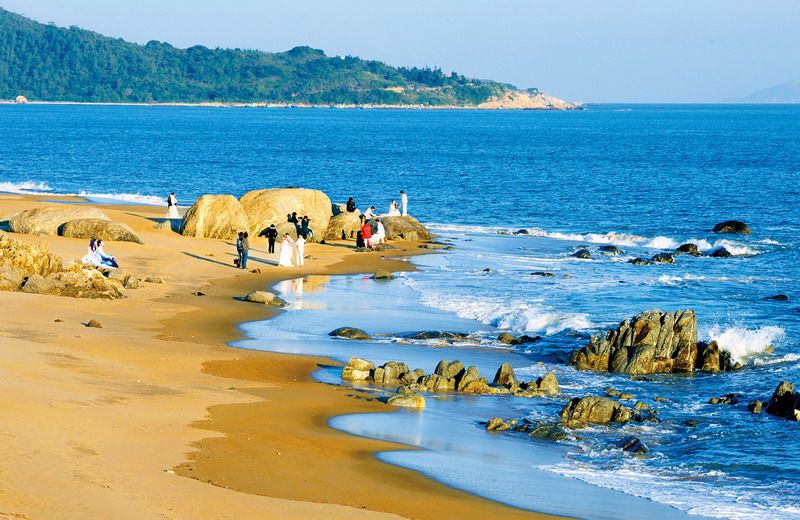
{"points": [[732, 226], [785, 402], [350, 333]]}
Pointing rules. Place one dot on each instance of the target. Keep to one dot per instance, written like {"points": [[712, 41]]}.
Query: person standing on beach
{"points": [[239, 240], [366, 234], [245, 249], [172, 207], [300, 250], [404, 203], [287, 248], [272, 234]]}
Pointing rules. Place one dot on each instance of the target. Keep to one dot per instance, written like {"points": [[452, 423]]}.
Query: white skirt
{"points": [[172, 212]]}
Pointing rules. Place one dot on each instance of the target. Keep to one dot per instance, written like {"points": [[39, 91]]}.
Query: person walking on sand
{"points": [[272, 234], [300, 250], [245, 249], [287, 250], [172, 207], [403, 203]]}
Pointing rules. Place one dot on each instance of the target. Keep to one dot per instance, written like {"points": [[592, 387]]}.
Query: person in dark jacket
{"points": [[245, 249], [272, 234], [351, 205]]}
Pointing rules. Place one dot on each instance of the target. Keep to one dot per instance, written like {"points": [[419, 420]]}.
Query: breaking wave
{"points": [[744, 343]]}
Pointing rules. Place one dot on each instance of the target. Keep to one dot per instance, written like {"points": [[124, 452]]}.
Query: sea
{"points": [[512, 193]]}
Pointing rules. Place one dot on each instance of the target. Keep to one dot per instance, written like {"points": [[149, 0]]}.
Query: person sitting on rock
{"points": [[91, 257], [369, 214], [351, 205], [394, 209], [105, 260]]}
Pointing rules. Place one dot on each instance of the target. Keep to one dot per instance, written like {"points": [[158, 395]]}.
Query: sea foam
{"points": [[744, 343]]}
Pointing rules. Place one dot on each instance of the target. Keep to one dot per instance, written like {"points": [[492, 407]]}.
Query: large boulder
{"points": [[732, 226], [405, 228], [215, 216], [265, 207], [582, 411], [350, 333], [27, 259], [357, 369], [785, 402], [345, 222], [47, 221], [99, 228], [651, 342], [265, 298], [75, 282]]}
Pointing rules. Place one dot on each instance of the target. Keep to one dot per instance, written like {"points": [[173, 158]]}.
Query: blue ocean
{"points": [[513, 193]]}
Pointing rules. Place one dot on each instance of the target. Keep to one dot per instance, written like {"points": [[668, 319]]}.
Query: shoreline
{"points": [[153, 390]]}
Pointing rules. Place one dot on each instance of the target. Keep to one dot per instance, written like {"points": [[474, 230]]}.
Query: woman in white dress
{"points": [[380, 234], [172, 207], [92, 258], [394, 209], [300, 250], [287, 251]]}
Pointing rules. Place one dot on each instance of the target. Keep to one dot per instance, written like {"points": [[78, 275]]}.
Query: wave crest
{"points": [[744, 343]]}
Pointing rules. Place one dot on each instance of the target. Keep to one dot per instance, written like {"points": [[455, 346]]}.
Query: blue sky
{"points": [[589, 51]]}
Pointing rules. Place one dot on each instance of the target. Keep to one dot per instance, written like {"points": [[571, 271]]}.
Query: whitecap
{"points": [[25, 187], [744, 343]]}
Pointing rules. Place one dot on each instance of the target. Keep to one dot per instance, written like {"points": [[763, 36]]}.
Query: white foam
{"points": [[661, 243], [41, 188], [135, 198], [744, 343], [736, 249], [25, 187]]}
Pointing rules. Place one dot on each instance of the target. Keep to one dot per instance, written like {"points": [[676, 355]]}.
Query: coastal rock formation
{"points": [[266, 207], [405, 228], [583, 254], [611, 250], [531, 100], [652, 342], [633, 445], [18, 259], [581, 411], [785, 402], [357, 369], [215, 216], [407, 401], [688, 249], [21, 100], [507, 338], [435, 334], [265, 298], [663, 258], [75, 282], [350, 333], [721, 253], [732, 226], [98, 228], [639, 261], [343, 224], [382, 274], [47, 221]]}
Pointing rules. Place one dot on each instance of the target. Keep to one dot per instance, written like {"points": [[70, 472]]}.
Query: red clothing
{"points": [[366, 231]]}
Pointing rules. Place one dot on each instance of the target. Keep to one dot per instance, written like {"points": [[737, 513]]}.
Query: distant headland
{"points": [[46, 63]]}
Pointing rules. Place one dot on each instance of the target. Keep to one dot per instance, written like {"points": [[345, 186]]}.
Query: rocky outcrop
{"points": [[47, 221], [343, 226], [435, 334], [663, 258], [506, 338], [633, 445], [266, 207], [265, 298], [652, 342], [407, 401], [100, 229], [611, 250], [583, 254], [732, 226], [688, 249], [405, 228], [721, 253], [448, 376], [350, 333], [18, 259], [785, 402], [21, 100], [382, 274], [215, 216], [75, 282], [582, 411]]}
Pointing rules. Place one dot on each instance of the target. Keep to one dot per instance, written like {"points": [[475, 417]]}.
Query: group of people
{"points": [[292, 252], [371, 234], [395, 210], [302, 225], [97, 257]]}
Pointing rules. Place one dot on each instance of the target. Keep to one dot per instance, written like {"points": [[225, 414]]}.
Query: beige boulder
{"points": [[47, 221], [99, 228], [265, 298], [405, 228], [21, 100], [407, 401], [345, 222], [27, 259], [215, 216], [594, 410], [75, 282], [265, 207]]}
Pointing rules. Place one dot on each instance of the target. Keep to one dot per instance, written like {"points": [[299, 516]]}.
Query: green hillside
{"points": [[49, 63]]}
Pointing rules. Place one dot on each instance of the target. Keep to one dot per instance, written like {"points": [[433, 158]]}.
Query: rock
{"points": [[611, 250], [405, 228], [543, 274], [610, 392], [77, 282], [626, 397], [344, 223], [169, 225], [27, 259], [710, 358], [663, 258], [266, 207], [506, 378], [47, 221], [651, 342], [641, 406], [725, 399], [100, 229], [755, 406], [382, 274], [509, 339], [721, 253], [778, 297], [497, 424], [94, 324], [21, 100], [265, 298], [639, 261], [549, 431], [357, 369], [154, 279], [633, 445], [784, 401], [350, 333], [407, 401], [449, 369], [435, 334], [215, 216], [581, 411], [469, 376], [688, 249], [10, 278], [522, 232], [732, 226], [691, 422], [583, 254], [390, 373], [548, 384]]}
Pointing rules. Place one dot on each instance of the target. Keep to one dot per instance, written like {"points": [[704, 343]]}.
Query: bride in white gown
{"points": [[287, 251], [172, 207], [394, 209]]}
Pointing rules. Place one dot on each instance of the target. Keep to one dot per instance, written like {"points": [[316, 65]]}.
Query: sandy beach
{"points": [[154, 416]]}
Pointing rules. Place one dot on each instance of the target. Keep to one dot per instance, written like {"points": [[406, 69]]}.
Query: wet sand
{"points": [[99, 423]]}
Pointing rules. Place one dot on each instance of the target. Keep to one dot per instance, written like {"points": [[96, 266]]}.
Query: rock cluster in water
{"points": [[650, 343]]}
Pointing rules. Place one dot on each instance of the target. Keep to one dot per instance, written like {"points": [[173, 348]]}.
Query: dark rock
{"points": [[778, 297], [732, 226], [710, 358], [435, 334], [543, 274], [350, 333], [509, 339], [688, 249], [721, 253], [691, 422], [583, 254], [785, 402], [663, 258], [755, 406], [639, 261], [522, 232], [611, 250], [581, 411], [725, 399], [633, 445], [548, 431]]}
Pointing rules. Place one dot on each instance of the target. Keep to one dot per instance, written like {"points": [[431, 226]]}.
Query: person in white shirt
{"points": [[404, 203], [370, 213]]}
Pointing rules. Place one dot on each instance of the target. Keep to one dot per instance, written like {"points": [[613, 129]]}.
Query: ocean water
{"points": [[644, 178]]}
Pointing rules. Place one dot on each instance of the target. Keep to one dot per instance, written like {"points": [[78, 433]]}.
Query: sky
{"points": [[636, 51]]}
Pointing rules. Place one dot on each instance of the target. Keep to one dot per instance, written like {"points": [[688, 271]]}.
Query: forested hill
{"points": [[50, 63]]}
